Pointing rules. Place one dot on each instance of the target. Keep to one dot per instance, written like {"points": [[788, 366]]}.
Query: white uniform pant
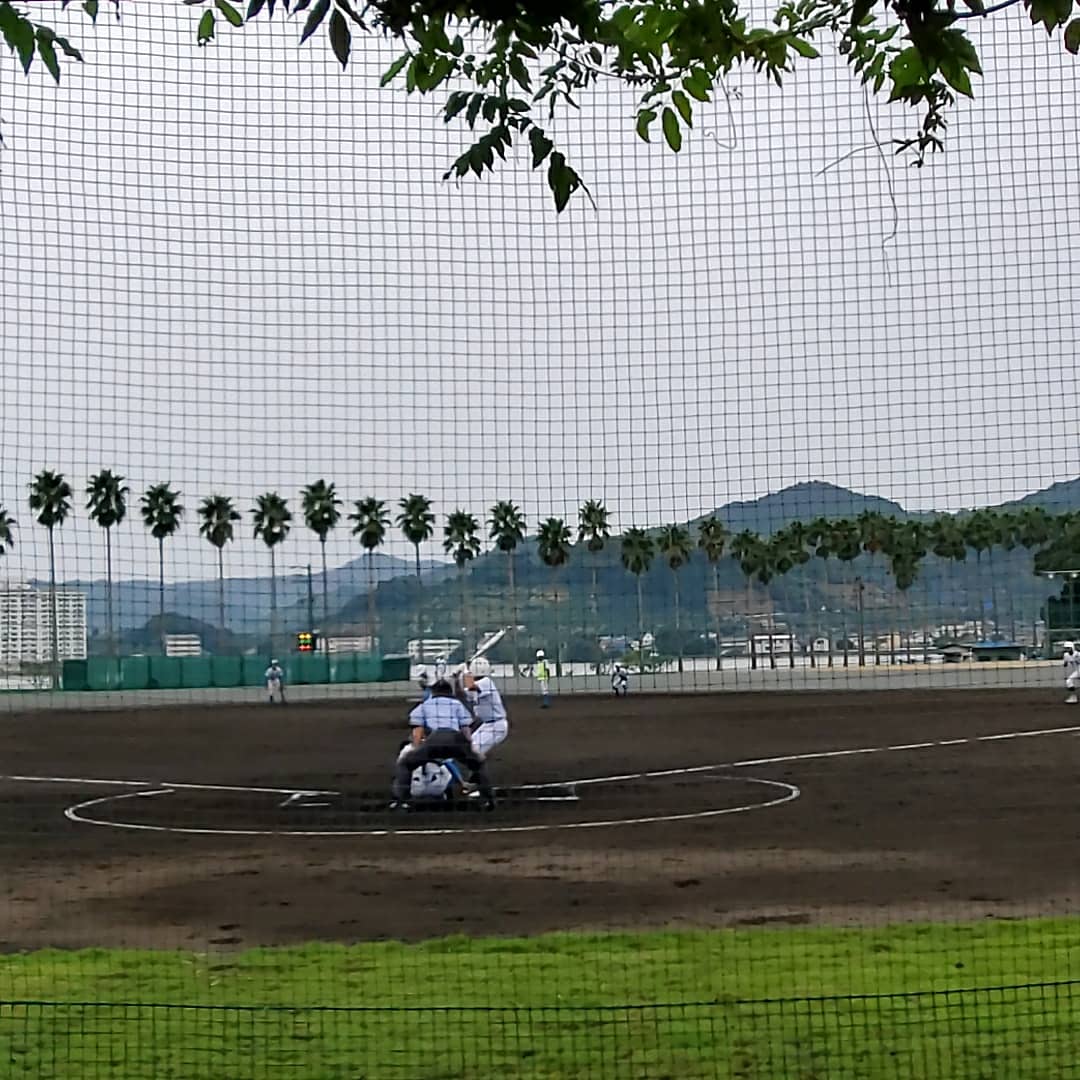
{"points": [[275, 689], [487, 736], [1073, 680]]}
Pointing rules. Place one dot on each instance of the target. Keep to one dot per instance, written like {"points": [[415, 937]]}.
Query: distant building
{"points": [[183, 645], [26, 628]]}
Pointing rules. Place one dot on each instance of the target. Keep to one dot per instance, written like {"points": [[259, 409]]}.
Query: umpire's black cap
{"points": [[442, 688]]}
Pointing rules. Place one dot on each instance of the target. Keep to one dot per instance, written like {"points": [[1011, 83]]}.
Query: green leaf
{"points": [[340, 38], [644, 119], [454, 104], [48, 55], [206, 28], [18, 31], [956, 77], [541, 146], [671, 130], [959, 45], [562, 180], [1052, 13], [91, 9], [315, 17], [1072, 36], [231, 14], [474, 109], [394, 69], [697, 85], [519, 73], [907, 68], [682, 103], [254, 7], [804, 48]]}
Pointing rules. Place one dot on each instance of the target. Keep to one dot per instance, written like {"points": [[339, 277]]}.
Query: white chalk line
{"points": [[77, 814], [73, 813], [781, 759]]}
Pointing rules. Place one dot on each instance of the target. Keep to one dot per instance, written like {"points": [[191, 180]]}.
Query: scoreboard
{"points": [[306, 641]]}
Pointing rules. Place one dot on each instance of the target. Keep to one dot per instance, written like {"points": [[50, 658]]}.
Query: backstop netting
{"points": [[777, 413]]}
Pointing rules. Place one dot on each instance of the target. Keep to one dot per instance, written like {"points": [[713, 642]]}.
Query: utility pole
{"points": [[862, 624], [310, 600]]}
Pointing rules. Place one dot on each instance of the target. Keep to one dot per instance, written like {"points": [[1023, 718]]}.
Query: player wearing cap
{"points": [[491, 724], [440, 732], [1071, 661], [543, 675], [275, 682], [620, 680]]}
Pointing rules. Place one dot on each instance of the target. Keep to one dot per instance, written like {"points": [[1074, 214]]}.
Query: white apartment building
{"points": [[26, 629]]}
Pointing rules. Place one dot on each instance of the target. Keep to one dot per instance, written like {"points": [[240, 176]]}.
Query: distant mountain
{"points": [[1064, 495], [802, 502], [247, 599]]}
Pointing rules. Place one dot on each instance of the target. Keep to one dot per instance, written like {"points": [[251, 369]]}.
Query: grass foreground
{"points": [[998, 1000]]}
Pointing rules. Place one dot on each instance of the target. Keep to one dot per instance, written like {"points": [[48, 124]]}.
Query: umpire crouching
{"points": [[440, 732]]}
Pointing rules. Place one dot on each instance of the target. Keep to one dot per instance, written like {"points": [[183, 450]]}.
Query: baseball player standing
{"points": [[440, 732], [543, 676], [275, 682], [1071, 661], [492, 725]]}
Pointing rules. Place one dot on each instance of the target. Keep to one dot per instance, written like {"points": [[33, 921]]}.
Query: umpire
{"points": [[440, 732]]}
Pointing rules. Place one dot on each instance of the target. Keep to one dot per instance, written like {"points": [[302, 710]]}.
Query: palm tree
{"points": [[461, 540], [7, 535], [673, 544], [218, 516], [553, 547], [272, 517], [712, 539], [749, 551], [161, 513], [107, 503], [417, 523], [594, 529], [636, 554], [50, 500], [787, 549], [507, 529], [371, 519], [320, 505], [982, 531], [908, 545]]}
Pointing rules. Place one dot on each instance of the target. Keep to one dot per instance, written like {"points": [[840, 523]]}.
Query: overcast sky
{"points": [[237, 269]]}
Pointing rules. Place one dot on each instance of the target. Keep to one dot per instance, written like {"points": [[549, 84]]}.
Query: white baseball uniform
{"points": [[490, 712], [275, 680], [428, 781], [1072, 669]]}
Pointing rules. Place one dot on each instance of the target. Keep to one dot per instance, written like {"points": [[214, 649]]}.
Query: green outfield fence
{"points": [[203, 672]]}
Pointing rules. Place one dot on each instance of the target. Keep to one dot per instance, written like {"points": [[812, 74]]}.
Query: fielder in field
{"points": [[1071, 661], [620, 681], [543, 676], [491, 724], [275, 682], [440, 733]]}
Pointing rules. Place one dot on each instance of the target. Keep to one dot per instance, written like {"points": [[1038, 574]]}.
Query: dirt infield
{"points": [[242, 826]]}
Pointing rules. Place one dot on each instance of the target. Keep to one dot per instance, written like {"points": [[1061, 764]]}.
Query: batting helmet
{"points": [[1068, 646], [480, 667], [539, 654]]}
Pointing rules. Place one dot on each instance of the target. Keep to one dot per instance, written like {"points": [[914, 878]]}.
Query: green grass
{"points": [[994, 1000]]}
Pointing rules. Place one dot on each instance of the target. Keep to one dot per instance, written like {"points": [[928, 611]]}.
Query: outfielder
{"points": [[1071, 661], [620, 681], [440, 732], [491, 726], [275, 682]]}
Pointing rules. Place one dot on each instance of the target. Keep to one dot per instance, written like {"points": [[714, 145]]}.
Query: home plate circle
{"points": [[239, 811]]}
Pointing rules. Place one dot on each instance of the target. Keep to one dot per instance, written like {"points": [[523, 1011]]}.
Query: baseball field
{"points": [[878, 884]]}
